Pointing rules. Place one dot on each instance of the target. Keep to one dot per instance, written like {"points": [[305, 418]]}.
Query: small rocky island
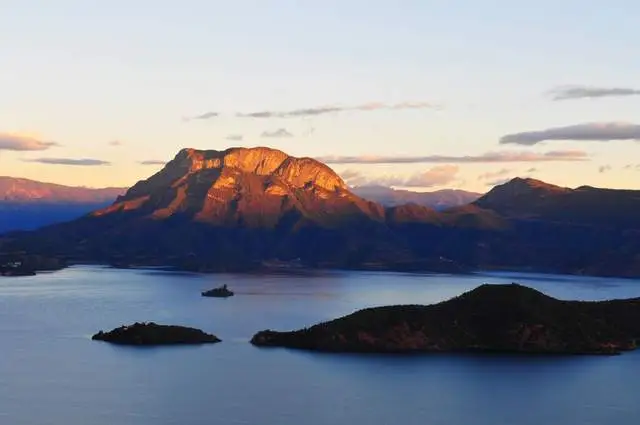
{"points": [[221, 292], [151, 333], [491, 318]]}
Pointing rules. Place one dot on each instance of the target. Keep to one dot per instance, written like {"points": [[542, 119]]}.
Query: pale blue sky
{"points": [[84, 74]]}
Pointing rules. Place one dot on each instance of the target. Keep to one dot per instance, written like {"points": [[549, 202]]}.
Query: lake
{"points": [[51, 373]]}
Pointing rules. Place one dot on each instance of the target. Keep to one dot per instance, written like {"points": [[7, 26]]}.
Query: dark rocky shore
{"points": [[491, 318], [221, 292], [20, 264], [153, 334]]}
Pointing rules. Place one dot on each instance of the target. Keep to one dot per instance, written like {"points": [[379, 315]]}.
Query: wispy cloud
{"points": [[205, 116], [306, 112], [588, 132], [632, 167], [279, 133], [436, 176], [590, 92], [115, 143], [322, 110], [18, 142], [489, 157], [235, 137], [532, 170], [494, 174], [152, 162], [69, 161], [351, 176], [604, 168]]}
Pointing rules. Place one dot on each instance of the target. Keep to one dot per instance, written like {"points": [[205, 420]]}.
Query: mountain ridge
{"points": [[438, 199], [22, 190], [236, 209], [240, 185], [27, 204], [525, 198]]}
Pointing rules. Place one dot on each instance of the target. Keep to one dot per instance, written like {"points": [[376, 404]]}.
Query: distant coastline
{"points": [[297, 268]]}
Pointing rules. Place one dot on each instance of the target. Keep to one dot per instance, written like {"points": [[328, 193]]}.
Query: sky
{"points": [[419, 94]]}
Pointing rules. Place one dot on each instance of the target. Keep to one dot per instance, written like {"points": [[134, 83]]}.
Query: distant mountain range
{"points": [[241, 208], [17, 190], [27, 204], [439, 199]]}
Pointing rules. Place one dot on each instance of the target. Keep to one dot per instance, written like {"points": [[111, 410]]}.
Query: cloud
{"points": [[205, 116], [291, 114], [604, 168], [17, 142], [321, 110], [590, 92], [69, 161], [115, 143], [437, 176], [532, 170], [350, 174], [489, 157], [494, 174], [279, 133], [354, 178], [235, 137], [588, 132], [152, 162]]}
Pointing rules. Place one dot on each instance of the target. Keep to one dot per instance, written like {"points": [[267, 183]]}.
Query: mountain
{"points": [[27, 204], [240, 208], [244, 188], [17, 190], [536, 200], [232, 209], [490, 318], [439, 199]]}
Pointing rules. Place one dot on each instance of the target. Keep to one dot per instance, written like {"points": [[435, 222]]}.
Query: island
{"points": [[151, 333], [221, 292], [501, 318]]}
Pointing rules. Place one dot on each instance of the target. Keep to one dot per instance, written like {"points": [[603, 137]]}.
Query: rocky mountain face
{"points": [[244, 187], [239, 208], [439, 200]]}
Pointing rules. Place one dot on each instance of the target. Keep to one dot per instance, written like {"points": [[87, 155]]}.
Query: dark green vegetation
{"points": [[153, 334], [221, 292], [240, 209], [490, 318]]}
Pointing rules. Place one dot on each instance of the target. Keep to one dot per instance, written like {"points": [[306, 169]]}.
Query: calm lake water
{"points": [[51, 373]]}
